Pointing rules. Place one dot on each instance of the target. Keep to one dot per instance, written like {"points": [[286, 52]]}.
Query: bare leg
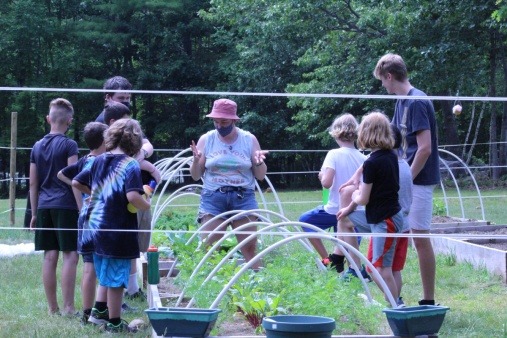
{"points": [[133, 266], [319, 246], [88, 285], [210, 226], [345, 225], [249, 249], [399, 282], [101, 294], [387, 275], [337, 250], [114, 301], [69, 267], [49, 279], [426, 257]]}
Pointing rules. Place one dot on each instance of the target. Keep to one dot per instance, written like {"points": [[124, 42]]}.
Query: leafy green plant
{"points": [[173, 221], [439, 208], [254, 303]]}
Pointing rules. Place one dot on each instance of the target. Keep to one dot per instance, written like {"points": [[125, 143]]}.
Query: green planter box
{"points": [[296, 326], [416, 320], [182, 322]]}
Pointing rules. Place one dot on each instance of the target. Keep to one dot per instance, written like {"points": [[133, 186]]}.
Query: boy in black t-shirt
{"points": [[378, 192]]}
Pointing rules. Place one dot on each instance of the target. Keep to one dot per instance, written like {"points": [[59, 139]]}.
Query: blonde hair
{"points": [[344, 128], [60, 111], [125, 134], [375, 132], [392, 64]]}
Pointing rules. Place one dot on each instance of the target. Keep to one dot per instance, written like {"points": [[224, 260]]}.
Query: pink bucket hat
{"points": [[224, 109]]}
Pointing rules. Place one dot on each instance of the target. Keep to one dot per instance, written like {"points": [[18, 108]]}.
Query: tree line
{"points": [[452, 48]]}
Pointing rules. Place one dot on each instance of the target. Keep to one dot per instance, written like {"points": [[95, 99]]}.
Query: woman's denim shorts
{"points": [[225, 199]]}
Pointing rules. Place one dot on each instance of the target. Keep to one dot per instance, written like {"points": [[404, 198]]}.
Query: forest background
{"points": [[452, 48]]}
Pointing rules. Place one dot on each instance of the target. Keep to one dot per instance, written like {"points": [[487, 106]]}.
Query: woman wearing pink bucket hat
{"points": [[229, 160]]}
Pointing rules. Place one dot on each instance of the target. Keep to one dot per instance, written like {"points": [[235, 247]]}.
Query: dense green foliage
{"points": [[281, 46]]}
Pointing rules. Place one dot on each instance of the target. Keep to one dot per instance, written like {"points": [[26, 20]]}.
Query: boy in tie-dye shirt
{"points": [[113, 181]]}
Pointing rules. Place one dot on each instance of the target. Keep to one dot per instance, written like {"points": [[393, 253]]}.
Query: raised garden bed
{"points": [[486, 252]]}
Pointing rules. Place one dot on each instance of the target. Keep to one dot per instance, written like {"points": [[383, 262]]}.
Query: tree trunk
{"points": [[502, 156], [493, 150]]}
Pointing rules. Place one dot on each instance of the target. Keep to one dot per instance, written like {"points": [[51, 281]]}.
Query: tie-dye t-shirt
{"points": [[111, 177], [83, 163]]}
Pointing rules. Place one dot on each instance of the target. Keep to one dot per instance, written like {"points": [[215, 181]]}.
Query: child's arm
{"points": [[346, 199], [81, 187], [354, 180], [146, 150], [61, 176], [326, 177], [137, 200], [77, 194], [149, 167], [362, 195], [34, 194]]}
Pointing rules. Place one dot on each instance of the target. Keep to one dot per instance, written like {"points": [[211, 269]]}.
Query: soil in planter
{"points": [[449, 219], [500, 244], [236, 325]]}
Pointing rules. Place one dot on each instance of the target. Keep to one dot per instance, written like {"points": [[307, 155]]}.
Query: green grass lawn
{"points": [[477, 299]]}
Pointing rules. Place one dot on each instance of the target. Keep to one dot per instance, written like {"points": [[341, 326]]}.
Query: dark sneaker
{"points": [[400, 302], [136, 295], [84, 318], [122, 327], [427, 302], [99, 318], [127, 308], [351, 273], [338, 262]]}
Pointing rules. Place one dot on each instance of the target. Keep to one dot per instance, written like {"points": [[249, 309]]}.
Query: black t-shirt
{"points": [[382, 171]]}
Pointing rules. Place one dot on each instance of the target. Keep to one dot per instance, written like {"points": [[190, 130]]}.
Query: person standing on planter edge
{"points": [[228, 159], [416, 120]]}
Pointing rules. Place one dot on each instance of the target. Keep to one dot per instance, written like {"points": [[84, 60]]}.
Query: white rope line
{"points": [[260, 232], [312, 202], [215, 93]]}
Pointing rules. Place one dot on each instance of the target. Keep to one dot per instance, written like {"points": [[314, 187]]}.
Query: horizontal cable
{"points": [[284, 233], [218, 93]]}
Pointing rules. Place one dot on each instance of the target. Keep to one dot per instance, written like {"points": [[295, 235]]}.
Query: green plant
{"points": [[450, 259], [439, 208], [476, 299], [168, 225], [254, 303]]}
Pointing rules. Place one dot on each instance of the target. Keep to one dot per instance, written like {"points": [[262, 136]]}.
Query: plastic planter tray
{"points": [[182, 322], [297, 326], [416, 320]]}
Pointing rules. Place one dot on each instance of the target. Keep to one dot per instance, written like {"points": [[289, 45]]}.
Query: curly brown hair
{"points": [[125, 134], [344, 128]]}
